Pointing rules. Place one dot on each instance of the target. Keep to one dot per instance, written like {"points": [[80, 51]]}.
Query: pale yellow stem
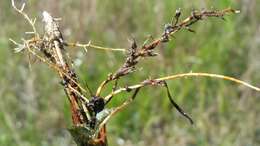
{"points": [[200, 74]]}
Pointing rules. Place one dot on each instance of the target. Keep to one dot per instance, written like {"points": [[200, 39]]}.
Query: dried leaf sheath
{"points": [[82, 135], [54, 37]]}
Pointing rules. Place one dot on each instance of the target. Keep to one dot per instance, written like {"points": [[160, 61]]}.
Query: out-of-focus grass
{"points": [[34, 109]]}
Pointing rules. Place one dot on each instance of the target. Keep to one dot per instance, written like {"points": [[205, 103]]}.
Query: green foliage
{"points": [[81, 134]]}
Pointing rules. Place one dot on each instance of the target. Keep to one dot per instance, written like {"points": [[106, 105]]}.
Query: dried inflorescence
{"points": [[135, 53], [90, 114]]}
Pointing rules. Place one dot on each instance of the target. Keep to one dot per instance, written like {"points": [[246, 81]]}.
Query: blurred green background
{"points": [[34, 109]]}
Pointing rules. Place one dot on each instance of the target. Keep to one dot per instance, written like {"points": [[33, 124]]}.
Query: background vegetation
{"points": [[34, 109]]}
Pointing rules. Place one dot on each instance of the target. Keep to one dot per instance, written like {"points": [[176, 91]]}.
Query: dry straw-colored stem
{"points": [[210, 75], [185, 75], [89, 45], [31, 21], [54, 67]]}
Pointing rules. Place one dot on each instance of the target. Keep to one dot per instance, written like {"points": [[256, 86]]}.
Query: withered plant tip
{"points": [[90, 114]]}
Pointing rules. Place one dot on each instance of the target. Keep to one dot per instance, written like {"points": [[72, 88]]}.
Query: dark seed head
{"points": [[96, 104], [178, 13]]}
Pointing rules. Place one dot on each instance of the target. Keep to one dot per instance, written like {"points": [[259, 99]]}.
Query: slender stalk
{"points": [[89, 45], [184, 75]]}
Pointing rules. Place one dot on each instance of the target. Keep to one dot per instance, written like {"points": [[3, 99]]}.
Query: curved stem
{"points": [[183, 75]]}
